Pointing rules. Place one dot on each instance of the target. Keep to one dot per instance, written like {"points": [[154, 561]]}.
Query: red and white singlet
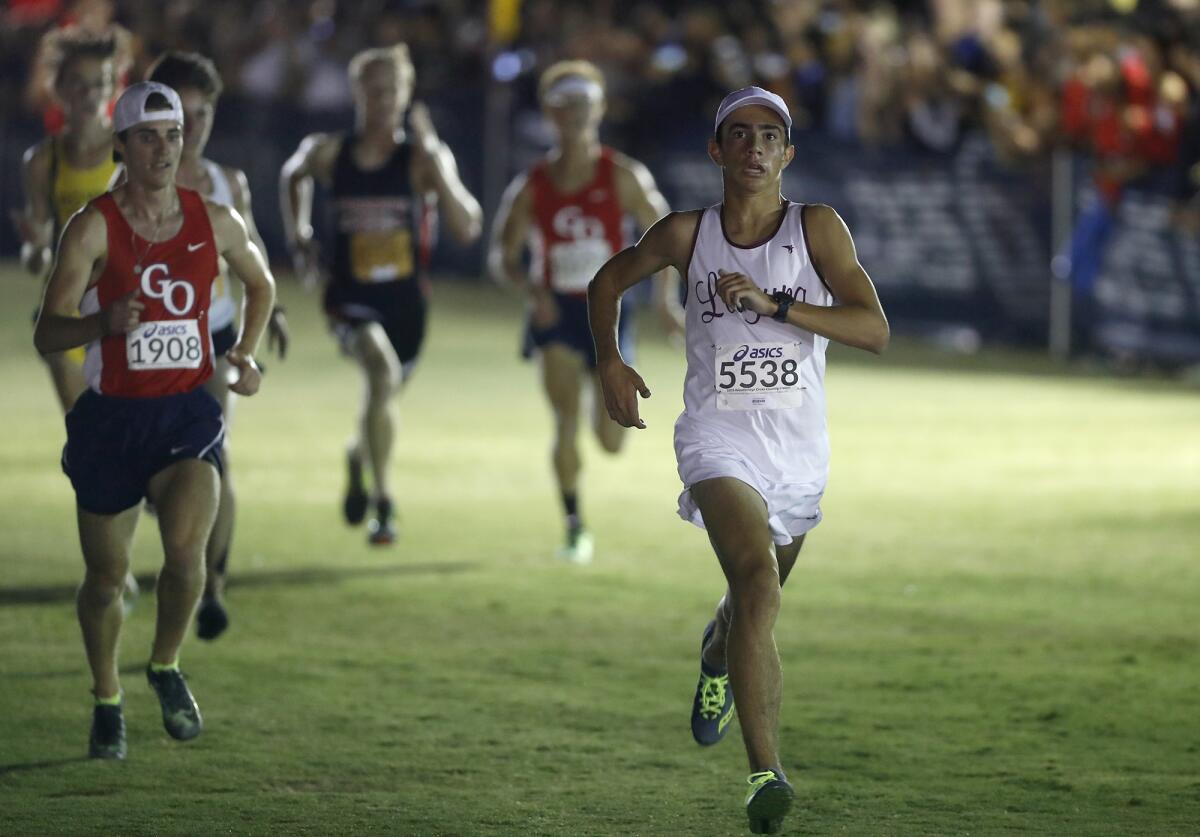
{"points": [[171, 350], [574, 234]]}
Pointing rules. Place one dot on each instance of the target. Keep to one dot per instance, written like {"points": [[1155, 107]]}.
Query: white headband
{"points": [[571, 86]]}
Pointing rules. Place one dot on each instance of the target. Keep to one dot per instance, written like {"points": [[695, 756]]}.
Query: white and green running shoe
{"points": [[579, 547]]}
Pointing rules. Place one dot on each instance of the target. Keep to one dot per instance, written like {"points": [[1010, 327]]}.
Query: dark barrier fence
{"points": [[962, 244], [1147, 294], [948, 241], [958, 245]]}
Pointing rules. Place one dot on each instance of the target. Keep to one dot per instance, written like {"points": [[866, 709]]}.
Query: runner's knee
{"points": [[103, 587], [755, 592], [185, 563], [184, 545], [383, 376]]}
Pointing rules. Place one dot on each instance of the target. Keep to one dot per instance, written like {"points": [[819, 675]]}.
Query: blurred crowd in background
{"points": [[1116, 78]]}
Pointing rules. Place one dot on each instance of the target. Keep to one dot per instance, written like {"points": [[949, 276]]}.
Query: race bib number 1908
{"points": [[164, 344], [758, 376]]}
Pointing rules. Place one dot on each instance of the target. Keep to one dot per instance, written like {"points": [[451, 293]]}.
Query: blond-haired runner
{"points": [[769, 284], [63, 172], [570, 211], [382, 179]]}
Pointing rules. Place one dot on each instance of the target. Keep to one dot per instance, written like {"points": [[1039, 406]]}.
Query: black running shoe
{"points": [[211, 619], [712, 708], [768, 802], [107, 740], [181, 715], [381, 529], [354, 506]]}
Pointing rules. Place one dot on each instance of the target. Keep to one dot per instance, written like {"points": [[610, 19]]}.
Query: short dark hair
{"points": [[186, 69], [67, 45]]}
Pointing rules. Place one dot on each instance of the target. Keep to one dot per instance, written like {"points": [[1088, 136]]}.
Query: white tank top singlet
{"points": [[224, 307], [755, 386]]}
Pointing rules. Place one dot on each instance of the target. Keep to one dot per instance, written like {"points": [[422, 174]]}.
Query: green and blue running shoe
{"points": [[712, 708], [107, 739], [768, 802], [180, 714]]}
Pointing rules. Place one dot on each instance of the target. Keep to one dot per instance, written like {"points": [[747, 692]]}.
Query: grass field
{"points": [[995, 631]]}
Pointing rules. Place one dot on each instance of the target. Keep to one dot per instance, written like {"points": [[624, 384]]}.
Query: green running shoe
{"points": [[180, 714], [107, 739], [769, 800], [712, 708]]}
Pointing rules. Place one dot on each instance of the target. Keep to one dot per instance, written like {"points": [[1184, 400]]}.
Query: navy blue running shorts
{"points": [[115, 445], [575, 332]]}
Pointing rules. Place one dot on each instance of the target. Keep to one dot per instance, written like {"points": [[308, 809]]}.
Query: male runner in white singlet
{"points": [[768, 284]]}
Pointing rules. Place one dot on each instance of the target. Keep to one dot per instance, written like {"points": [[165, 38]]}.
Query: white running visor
{"points": [[753, 96]]}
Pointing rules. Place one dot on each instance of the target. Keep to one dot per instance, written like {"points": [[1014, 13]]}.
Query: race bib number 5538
{"points": [[164, 344], [758, 376]]}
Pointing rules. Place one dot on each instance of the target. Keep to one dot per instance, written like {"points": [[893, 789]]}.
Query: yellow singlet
{"points": [[70, 189]]}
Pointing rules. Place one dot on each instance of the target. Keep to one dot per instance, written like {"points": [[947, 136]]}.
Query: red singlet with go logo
{"points": [[171, 350], [574, 234]]}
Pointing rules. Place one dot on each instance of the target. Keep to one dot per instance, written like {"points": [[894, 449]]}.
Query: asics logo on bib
{"points": [[570, 222], [165, 289], [165, 330], [758, 352]]}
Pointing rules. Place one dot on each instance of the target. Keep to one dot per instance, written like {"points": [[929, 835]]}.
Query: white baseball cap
{"points": [[131, 110], [753, 96]]}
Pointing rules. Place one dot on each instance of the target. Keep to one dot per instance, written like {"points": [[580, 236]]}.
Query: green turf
{"points": [[993, 632]]}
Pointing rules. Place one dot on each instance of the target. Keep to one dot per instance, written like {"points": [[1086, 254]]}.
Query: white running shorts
{"points": [[793, 509]]}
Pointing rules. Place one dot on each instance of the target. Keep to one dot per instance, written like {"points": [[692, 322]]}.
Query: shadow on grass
{"points": [[127, 670], [62, 593], [29, 766]]}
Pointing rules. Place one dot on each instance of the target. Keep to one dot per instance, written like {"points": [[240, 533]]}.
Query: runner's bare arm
{"points": [[640, 196], [856, 320], [666, 244], [510, 234], [59, 326], [246, 262], [278, 335], [313, 160], [35, 223], [435, 171]]}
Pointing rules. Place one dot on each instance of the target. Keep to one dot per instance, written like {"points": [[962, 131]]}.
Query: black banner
{"points": [[964, 242]]}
